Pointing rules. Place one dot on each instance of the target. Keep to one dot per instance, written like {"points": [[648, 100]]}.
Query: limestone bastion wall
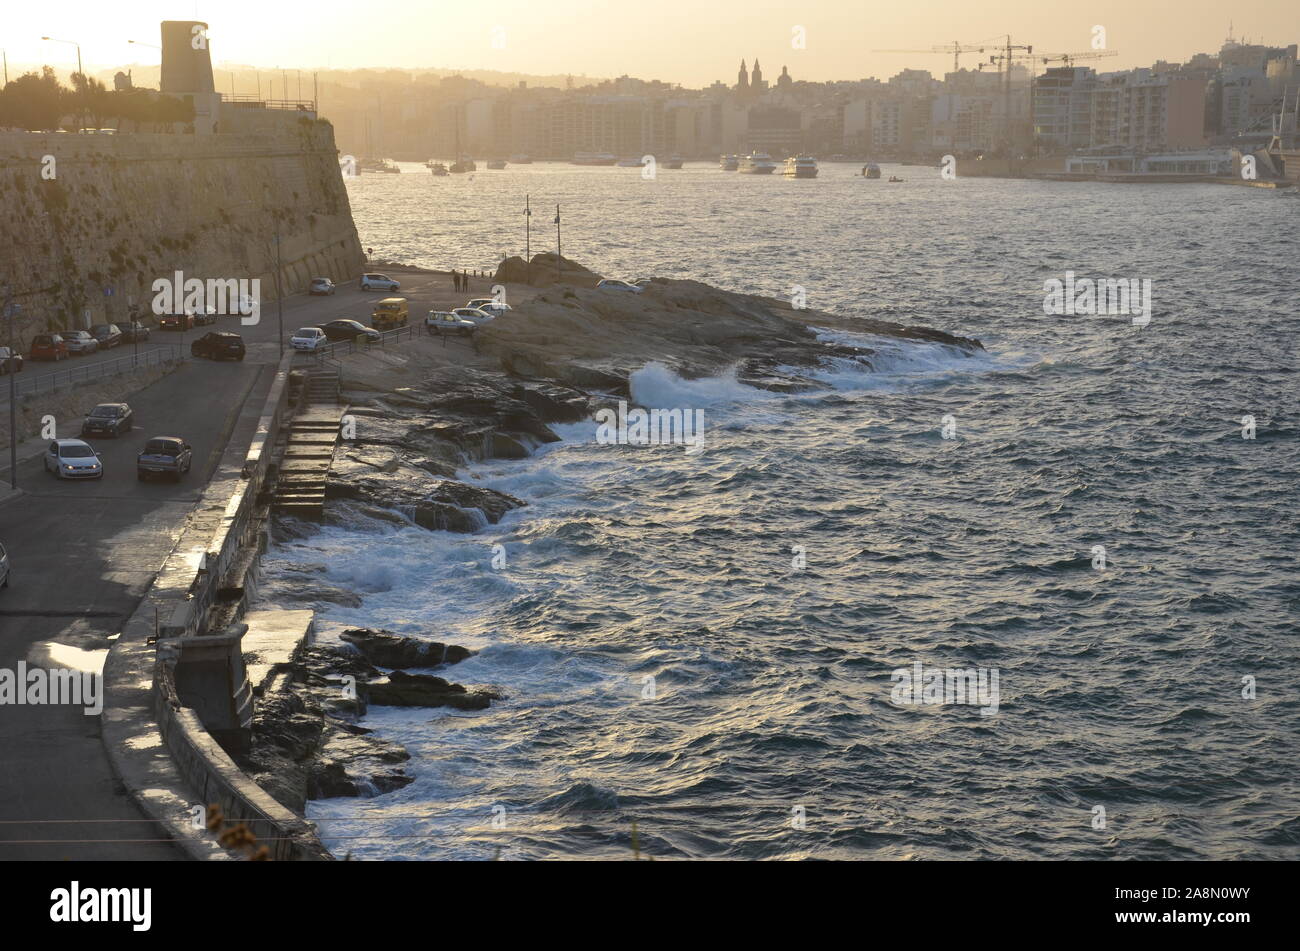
{"points": [[123, 210]]}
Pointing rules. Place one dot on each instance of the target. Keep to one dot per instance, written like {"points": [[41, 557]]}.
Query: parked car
{"points": [[241, 306], [108, 419], [10, 361], [203, 316], [347, 329], [489, 305], [218, 345], [474, 315], [4, 567], [79, 341], [134, 331], [379, 282], [175, 321], [611, 285], [321, 286], [73, 459], [307, 338], [642, 281], [164, 455], [391, 312], [443, 321], [49, 347], [108, 335]]}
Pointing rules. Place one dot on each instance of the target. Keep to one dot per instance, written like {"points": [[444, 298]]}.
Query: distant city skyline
{"points": [[674, 41]]}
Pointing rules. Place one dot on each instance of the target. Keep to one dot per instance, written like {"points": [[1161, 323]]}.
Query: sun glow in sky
{"points": [[680, 41]]}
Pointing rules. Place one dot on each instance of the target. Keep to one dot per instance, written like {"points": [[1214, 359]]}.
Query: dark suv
{"points": [[218, 345], [108, 419]]}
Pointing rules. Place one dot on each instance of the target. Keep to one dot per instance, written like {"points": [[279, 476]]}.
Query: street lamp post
{"points": [[9, 310], [557, 244], [79, 70], [279, 294], [528, 240]]}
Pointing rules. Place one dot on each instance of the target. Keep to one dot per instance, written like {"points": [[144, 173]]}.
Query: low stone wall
{"points": [[166, 759]]}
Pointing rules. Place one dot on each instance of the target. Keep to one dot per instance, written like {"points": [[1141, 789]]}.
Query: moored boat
{"points": [[673, 161], [497, 164], [800, 166], [437, 168], [593, 158], [871, 170], [757, 163], [728, 163]]}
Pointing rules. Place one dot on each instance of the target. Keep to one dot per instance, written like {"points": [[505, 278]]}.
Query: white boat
{"points": [[437, 168], [593, 158], [728, 163], [497, 164], [631, 163], [800, 166], [757, 163]]}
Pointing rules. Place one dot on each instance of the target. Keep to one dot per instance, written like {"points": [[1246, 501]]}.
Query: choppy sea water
{"points": [[702, 644]]}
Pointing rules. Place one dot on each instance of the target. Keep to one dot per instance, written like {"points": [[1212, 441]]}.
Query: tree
{"points": [[33, 102]]}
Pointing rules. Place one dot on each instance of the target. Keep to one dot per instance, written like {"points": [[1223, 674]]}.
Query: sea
{"points": [[1038, 602]]}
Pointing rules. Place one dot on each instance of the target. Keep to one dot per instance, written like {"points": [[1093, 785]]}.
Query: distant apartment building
{"points": [[1139, 110]]}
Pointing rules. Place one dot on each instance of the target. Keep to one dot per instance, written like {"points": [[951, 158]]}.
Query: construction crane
{"points": [[956, 48], [1067, 59]]}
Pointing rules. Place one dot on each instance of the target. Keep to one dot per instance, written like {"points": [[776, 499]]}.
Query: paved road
{"points": [[83, 554]]}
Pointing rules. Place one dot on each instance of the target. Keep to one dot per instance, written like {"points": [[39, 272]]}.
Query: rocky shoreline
{"points": [[566, 352]]}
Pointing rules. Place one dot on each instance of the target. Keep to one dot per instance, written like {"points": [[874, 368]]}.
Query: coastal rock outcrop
{"points": [[306, 743], [583, 337]]}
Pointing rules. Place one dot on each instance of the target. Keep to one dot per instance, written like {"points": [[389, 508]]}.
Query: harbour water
{"points": [[702, 645]]}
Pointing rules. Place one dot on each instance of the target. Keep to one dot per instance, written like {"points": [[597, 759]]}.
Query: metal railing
{"points": [[361, 343], [25, 384]]}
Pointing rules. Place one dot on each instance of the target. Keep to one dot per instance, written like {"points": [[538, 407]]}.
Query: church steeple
{"points": [[756, 80], [742, 79]]}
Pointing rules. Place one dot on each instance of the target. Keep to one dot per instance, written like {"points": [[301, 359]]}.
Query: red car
{"points": [[176, 322], [49, 347]]}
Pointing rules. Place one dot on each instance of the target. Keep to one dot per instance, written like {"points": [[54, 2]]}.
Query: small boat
{"points": [[674, 161], [593, 158], [800, 166], [438, 168], [757, 163], [728, 163], [378, 165], [521, 160], [464, 165], [631, 163], [895, 179], [497, 164], [871, 170]]}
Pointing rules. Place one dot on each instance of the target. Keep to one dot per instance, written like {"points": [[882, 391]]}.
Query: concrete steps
{"points": [[305, 465]]}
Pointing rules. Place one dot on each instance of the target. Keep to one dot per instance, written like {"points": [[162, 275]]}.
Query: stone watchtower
{"points": [[187, 70]]}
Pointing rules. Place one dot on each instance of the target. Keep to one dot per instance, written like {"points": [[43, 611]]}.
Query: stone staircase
{"points": [[309, 450]]}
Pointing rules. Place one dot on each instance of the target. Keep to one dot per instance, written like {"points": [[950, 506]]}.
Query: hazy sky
{"points": [[691, 42]]}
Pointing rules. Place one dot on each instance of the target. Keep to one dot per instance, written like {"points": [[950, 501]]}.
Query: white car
{"points": [[474, 315], [307, 338], [379, 282], [443, 321], [79, 341], [609, 285], [321, 286], [73, 459], [489, 305]]}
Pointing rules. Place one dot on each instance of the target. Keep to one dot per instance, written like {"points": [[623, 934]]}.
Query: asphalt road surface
{"points": [[83, 553]]}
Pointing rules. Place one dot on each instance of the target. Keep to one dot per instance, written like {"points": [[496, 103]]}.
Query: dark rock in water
{"points": [[552, 402], [400, 689], [357, 765], [395, 650], [507, 447]]}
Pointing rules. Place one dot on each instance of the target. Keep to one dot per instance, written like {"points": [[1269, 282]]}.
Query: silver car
{"points": [[4, 567], [73, 459], [79, 341]]}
